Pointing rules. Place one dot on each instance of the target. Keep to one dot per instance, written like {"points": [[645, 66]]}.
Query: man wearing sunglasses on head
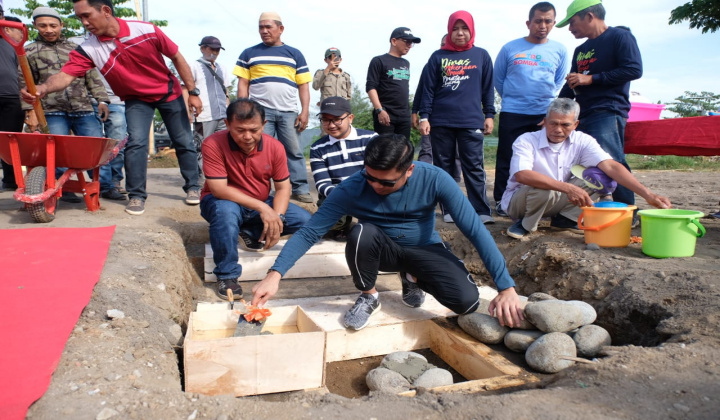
{"points": [[394, 200]]}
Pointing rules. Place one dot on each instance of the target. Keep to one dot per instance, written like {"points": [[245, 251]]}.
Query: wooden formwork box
{"points": [[216, 363], [309, 334]]}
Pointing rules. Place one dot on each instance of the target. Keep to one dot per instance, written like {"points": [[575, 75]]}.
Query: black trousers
{"points": [[438, 271], [399, 124], [511, 126], [12, 118]]}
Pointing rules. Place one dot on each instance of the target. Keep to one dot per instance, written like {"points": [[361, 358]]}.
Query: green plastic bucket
{"points": [[670, 232]]}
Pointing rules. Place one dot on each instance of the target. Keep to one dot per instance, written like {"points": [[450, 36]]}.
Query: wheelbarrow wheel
{"points": [[35, 183]]}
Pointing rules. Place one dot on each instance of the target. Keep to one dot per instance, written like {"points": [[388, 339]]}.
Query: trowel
{"points": [[244, 327]]}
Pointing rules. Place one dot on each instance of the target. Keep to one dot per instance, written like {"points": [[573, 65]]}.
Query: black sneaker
{"points": [[70, 197], [563, 223], [412, 295], [499, 211], [113, 194], [232, 284], [359, 315], [250, 244]]}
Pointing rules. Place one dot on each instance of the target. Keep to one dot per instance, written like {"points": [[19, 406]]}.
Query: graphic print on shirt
{"points": [[584, 60], [403, 73], [455, 71], [532, 60]]}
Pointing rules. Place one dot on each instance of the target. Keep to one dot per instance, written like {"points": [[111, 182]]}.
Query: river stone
{"points": [[520, 340], [590, 339], [385, 380], [544, 354], [434, 377], [483, 327], [401, 357], [524, 324], [589, 313], [539, 296], [411, 368], [555, 315]]}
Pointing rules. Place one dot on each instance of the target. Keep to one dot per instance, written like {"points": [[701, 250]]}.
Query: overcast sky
{"points": [[675, 57]]}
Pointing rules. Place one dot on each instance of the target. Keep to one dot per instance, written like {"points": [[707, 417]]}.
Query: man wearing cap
{"points": [[70, 109], [599, 79], [213, 80], [275, 74], [540, 183], [332, 80], [129, 54], [10, 107], [388, 85], [528, 74], [338, 154]]}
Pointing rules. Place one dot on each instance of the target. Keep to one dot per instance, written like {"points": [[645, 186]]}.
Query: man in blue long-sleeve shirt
{"points": [[599, 80], [394, 200]]}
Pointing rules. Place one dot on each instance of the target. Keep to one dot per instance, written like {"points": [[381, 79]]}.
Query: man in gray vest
{"points": [[213, 80]]}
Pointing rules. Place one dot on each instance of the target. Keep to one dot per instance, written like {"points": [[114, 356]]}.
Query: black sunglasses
{"points": [[383, 182]]}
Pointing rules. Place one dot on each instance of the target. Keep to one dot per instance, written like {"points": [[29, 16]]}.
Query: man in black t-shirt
{"points": [[388, 85]]}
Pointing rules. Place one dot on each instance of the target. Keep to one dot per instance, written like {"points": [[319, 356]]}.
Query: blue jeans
{"points": [[608, 129], [281, 125], [226, 218], [116, 128], [139, 116], [81, 124], [467, 143]]}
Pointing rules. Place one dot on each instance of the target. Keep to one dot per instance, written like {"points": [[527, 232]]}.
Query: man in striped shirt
{"points": [[338, 154], [273, 74]]}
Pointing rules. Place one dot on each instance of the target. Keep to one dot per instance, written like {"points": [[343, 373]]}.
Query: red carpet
{"points": [[48, 275], [694, 136]]}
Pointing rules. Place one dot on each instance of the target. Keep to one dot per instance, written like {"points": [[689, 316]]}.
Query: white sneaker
{"points": [[447, 218]]}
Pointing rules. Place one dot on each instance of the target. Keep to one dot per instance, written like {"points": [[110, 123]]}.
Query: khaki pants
{"points": [[532, 204]]}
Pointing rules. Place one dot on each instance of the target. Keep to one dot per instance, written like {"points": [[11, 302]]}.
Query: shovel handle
{"points": [[25, 67]]}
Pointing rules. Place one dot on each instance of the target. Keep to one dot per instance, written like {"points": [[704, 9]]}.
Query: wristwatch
{"points": [[194, 92], [282, 217], [378, 110]]}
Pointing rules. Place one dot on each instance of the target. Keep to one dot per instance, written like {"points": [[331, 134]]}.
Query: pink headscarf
{"points": [[468, 19]]}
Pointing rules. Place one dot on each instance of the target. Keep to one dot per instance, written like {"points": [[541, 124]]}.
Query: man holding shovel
{"points": [[129, 55]]}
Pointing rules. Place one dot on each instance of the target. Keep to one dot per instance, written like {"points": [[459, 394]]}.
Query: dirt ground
{"points": [[663, 316]]}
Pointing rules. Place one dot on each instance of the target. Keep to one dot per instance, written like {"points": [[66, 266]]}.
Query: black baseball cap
{"points": [[211, 41], [335, 105], [404, 33]]}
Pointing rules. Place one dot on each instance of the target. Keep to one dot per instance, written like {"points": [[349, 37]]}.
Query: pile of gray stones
{"points": [[552, 336]]}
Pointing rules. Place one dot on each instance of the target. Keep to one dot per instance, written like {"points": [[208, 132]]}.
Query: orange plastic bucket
{"points": [[608, 227]]}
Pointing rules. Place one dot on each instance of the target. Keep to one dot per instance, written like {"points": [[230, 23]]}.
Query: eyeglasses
{"points": [[335, 121], [408, 42], [383, 182]]}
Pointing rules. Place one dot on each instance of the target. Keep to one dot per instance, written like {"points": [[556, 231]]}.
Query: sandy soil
{"points": [[663, 316]]}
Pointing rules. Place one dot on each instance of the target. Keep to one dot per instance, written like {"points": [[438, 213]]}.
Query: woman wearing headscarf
{"points": [[458, 104]]}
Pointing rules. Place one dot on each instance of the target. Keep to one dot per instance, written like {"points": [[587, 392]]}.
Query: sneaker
{"points": [[715, 215], [359, 315], [193, 197], [70, 197], [499, 211], [487, 219], [303, 198], [412, 295], [120, 188], [113, 194], [563, 223], [232, 284], [251, 244], [447, 218], [635, 221], [517, 230], [136, 207]]}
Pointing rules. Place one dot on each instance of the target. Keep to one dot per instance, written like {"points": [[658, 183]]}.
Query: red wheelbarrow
{"points": [[42, 152]]}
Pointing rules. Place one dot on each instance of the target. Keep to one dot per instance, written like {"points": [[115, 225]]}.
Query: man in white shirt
{"points": [[540, 183]]}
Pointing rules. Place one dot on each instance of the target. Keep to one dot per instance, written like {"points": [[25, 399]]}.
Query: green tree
{"points": [[693, 104], [703, 14], [362, 109], [71, 25]]}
